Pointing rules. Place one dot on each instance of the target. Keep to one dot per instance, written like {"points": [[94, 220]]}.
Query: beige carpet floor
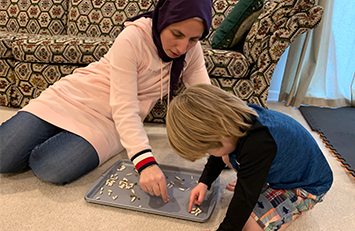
{"points": [[27, 203]]}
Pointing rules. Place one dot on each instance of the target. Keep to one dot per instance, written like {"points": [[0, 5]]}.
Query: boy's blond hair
{"points": [[202, 116]]}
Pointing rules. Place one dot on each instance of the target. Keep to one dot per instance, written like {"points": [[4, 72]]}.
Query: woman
{"points": [[87, 117]]}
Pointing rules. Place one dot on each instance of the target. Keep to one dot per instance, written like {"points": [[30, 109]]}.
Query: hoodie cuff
{"points": [[143, 159]]}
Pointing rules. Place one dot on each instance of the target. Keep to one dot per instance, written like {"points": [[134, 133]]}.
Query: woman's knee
{"points": [[59, 162], [12, 159], [48, 171], [18, 137]]}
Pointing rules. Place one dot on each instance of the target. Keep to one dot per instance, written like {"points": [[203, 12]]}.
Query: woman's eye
{"points": [[177, 35]]}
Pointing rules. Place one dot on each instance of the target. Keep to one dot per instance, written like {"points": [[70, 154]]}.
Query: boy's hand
{"points": [[231, 186], [197, 195], [152, 181]]}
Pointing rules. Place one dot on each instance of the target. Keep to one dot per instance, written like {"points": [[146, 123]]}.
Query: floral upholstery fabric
{"points": [[33, 16], [275, 29], [60, 49], [23, 81], [8, 81], [99, 18], [31, 63]]}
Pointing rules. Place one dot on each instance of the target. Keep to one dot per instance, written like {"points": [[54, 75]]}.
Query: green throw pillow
{"points": [[236, 24]]}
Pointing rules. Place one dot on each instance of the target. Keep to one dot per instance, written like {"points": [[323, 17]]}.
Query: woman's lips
{"points": [[174, 54]]}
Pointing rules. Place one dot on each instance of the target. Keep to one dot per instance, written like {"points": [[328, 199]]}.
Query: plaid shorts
{"points": [[276, 207]]}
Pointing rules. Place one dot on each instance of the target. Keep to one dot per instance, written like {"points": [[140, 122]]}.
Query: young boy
{"points": [[281, 172]]}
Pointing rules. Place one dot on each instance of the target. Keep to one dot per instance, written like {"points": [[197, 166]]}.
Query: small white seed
{"points": [[123, 167], [122, 185], [128, 174]]}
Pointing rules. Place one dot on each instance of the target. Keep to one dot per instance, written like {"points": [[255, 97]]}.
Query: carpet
{"points": [[337, 129]]}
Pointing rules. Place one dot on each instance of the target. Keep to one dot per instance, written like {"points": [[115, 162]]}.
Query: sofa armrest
{"points": [[280, 23], [275, 29]]}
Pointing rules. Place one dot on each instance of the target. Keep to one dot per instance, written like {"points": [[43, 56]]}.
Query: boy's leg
{"points": [[63, 158], [251, 225], [18, 137], [277, 208], [284, 226]]}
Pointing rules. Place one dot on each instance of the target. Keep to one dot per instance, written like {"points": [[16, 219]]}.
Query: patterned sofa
{"points": [[42, 41]]}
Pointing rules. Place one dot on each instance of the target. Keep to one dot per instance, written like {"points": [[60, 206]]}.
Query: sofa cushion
{"points": [[28, 80], [60, 49], [7, 81], [103, 18], [236, 24], [226, 63], [6, 40], [34, 17]]}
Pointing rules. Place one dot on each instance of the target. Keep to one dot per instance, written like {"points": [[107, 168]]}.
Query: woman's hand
{"points": [[152, 181], [197, 194]]}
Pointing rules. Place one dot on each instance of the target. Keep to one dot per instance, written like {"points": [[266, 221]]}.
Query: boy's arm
{"points": [[212, 169], [255, 162]]}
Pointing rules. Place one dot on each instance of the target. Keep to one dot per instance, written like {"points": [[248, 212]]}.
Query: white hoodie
{"points": [[106, 102]]}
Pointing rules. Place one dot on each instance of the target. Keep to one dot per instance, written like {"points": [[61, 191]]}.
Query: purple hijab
{"points": [[167, 12]]}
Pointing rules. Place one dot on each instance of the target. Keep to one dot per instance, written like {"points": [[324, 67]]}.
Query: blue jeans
{"points": [[53, 154]]}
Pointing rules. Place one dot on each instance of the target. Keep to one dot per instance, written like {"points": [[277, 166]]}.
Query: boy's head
{"points": [[202, 116]]}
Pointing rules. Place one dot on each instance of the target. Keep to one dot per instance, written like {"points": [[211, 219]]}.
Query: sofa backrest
{"points": [[220, 10], [103, 18], [34, 17]]}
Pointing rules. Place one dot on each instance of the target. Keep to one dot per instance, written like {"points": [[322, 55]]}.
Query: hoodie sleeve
{"points": [[195, 71], [124, 61]]}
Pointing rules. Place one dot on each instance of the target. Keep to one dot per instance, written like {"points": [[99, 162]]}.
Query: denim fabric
{"points": [[53, 154]]}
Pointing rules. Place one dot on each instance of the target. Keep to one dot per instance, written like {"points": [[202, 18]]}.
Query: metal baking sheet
{"points": [[119, 187]]}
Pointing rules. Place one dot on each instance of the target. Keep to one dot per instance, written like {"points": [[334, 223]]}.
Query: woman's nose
{"points": [[182, 46]]}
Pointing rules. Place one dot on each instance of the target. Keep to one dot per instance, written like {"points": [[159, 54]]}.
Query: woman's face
{"points": [[178, 38]]}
